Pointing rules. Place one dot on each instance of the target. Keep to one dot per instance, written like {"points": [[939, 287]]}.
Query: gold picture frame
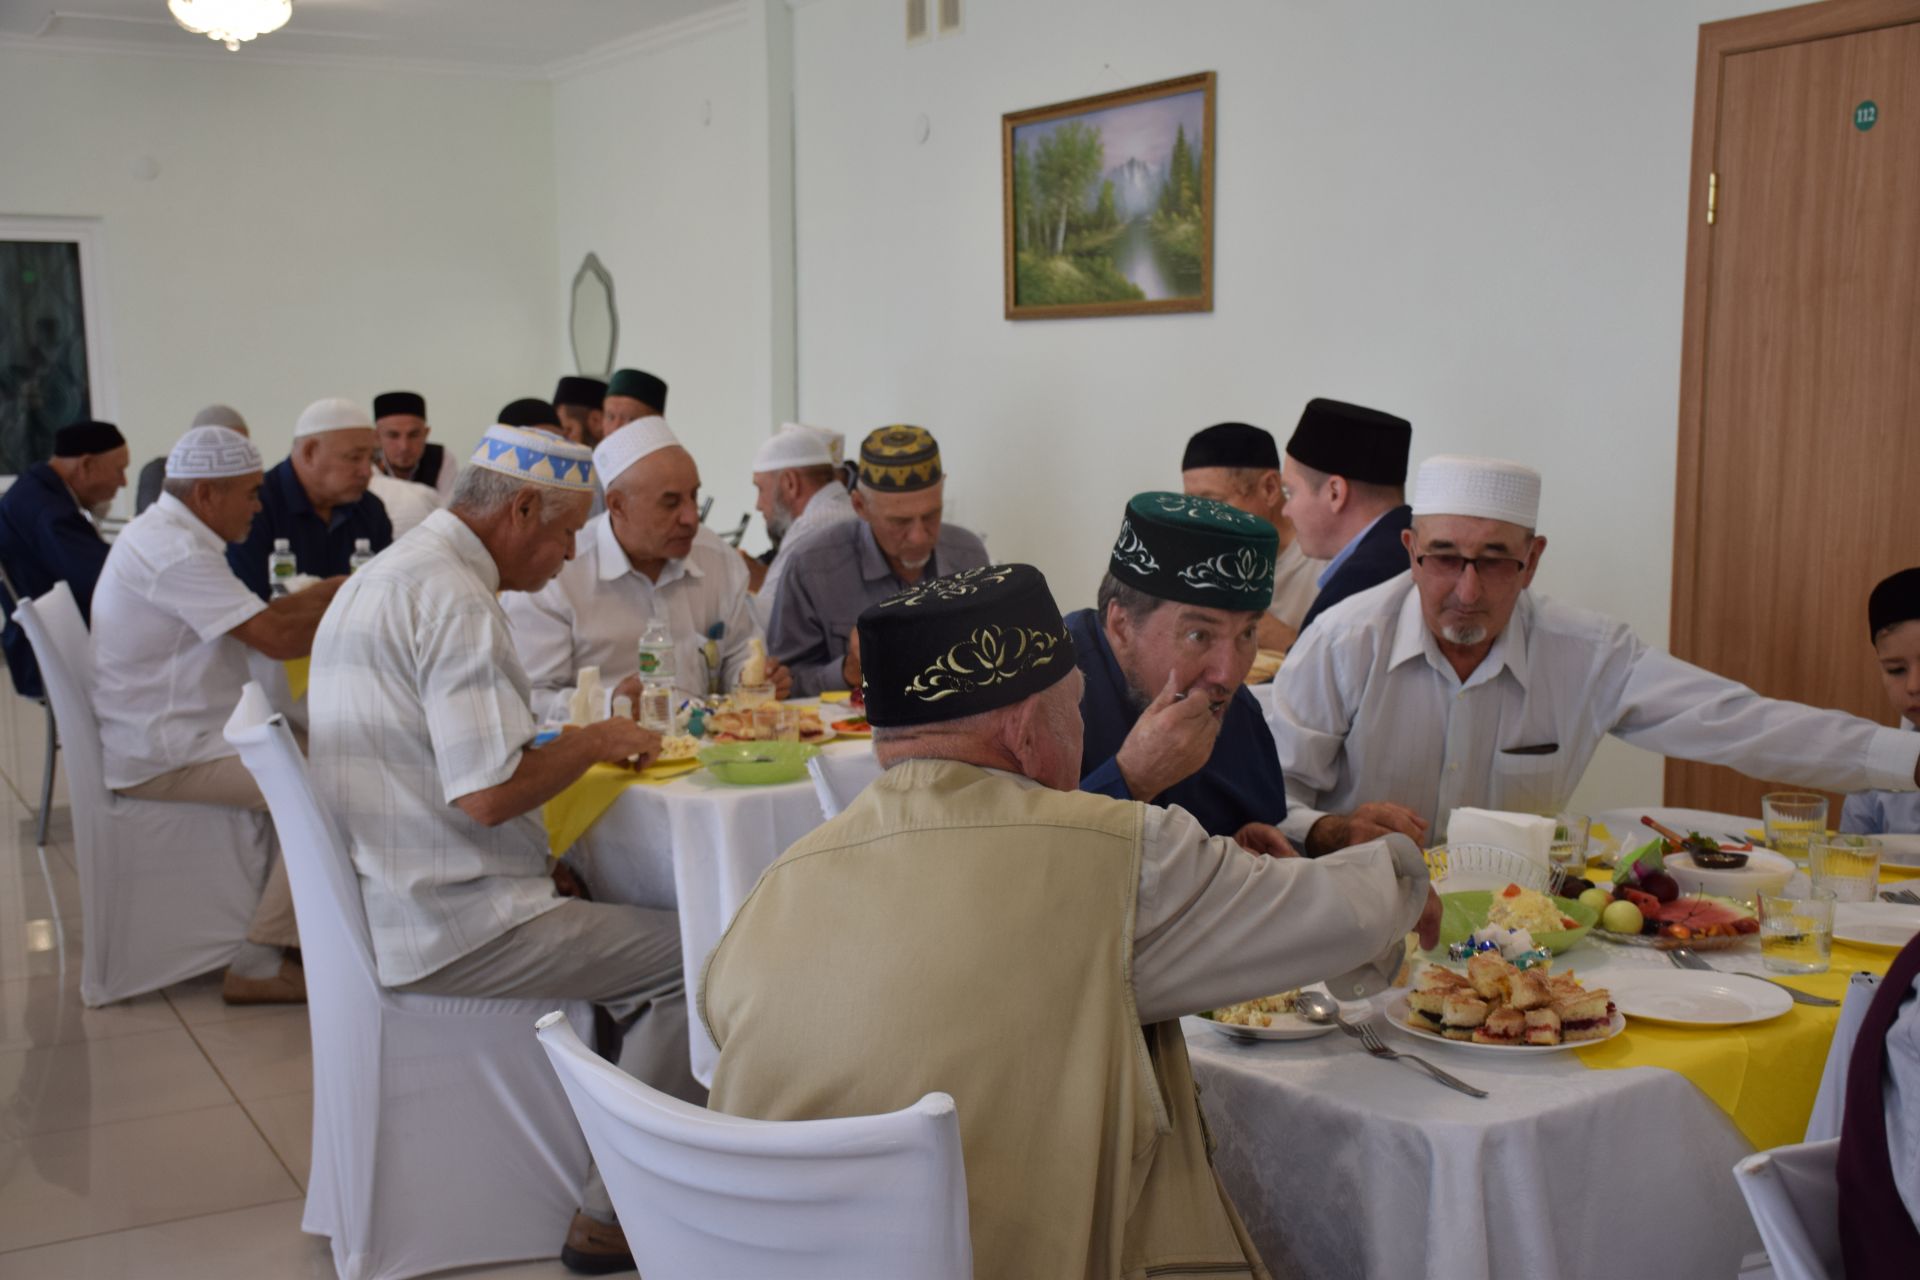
{"points": [[1108, 203]]}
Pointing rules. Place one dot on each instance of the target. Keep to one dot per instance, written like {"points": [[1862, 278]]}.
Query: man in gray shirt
{"points": [[841, 570]]}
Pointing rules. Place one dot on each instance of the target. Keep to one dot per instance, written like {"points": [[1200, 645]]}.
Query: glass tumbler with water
{"points": [[1793, 818], [1796, 931], [1568, 852], [1847, 866]]}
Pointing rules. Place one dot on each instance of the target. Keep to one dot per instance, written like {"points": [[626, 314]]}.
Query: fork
{"points": [[1370, 1041], [1684, 959], [1904, 897]]}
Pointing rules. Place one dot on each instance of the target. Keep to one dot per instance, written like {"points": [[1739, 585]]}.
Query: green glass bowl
{"points": [[1466, 911], [758, 764]]}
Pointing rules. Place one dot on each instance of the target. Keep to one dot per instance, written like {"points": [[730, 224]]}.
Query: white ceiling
{"points": [[509, 36]]}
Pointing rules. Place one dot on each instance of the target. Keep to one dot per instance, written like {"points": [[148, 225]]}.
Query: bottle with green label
{"points": [[280, 568], [362, 553]]}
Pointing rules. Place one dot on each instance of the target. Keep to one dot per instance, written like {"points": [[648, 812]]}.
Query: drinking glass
{"points": [[1792, 818], [748, 696], [1568, 852], [656, 707], [1846, 866], [1796, 931]]}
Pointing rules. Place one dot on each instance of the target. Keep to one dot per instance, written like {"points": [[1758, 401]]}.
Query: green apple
{"points": [[1621, 917], [1597, 898]]}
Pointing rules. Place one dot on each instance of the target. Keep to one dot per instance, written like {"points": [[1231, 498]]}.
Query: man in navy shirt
{"points": [[1345, 478], [1165, 654], [47, 533], [317, 499]]}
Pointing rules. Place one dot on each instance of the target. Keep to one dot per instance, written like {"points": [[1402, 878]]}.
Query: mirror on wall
{"points": [[594, 323]]}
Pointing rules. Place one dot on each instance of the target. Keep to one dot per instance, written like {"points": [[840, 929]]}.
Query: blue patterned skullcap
{"points": [[536, 457]]}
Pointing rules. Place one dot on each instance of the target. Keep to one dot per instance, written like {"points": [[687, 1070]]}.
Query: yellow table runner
{"points": [[569, 814], [297, 669], [1765, 1075]]}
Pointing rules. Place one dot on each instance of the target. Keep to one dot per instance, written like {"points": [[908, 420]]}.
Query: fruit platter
{"points": [[1644, 907]]}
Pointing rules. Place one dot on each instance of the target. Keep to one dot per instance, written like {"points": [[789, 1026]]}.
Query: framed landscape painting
{"points": [[1109, 203]]}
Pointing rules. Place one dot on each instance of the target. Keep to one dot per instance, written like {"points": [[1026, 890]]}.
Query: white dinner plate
{"points": [[1692, 998], [1900, 850], [1400, 1013], [1286, 1026], [1875, 924]]}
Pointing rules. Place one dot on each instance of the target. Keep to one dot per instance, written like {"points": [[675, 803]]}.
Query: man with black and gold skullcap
{"points": [[941, 923], [898, 541], [1165, 653]]}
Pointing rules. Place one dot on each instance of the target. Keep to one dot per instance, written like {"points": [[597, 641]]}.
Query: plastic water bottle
{"points": [[362, 552], [656, 676], [280, 568]]}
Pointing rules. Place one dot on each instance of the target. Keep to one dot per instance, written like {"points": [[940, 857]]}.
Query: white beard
{"points": [[1466, 637]]}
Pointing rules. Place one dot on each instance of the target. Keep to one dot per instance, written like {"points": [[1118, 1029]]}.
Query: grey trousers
{"points": [[624, 959]]}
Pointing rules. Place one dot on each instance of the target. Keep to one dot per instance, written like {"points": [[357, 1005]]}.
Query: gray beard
{"points": [[1466, 637]]}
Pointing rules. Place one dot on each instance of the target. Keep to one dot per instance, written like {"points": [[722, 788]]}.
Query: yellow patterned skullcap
{"points": [[900, 459]]}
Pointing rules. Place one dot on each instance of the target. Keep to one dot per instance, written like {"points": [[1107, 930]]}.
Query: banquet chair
{"points": [[1793, 1194], [440, 1136], [838, 778], [701, 1193], [1830, 1103], [28, 684], [167, 891]]}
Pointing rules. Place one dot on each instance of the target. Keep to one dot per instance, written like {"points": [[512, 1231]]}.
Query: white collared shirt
{"points": [[1367, 708], [593, 613], [830, 505], [166, 673], [408, 502], [418, 699]]}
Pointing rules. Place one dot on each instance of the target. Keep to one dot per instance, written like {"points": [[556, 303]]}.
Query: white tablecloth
{"points": [[696, 845], [1347, 1166]]}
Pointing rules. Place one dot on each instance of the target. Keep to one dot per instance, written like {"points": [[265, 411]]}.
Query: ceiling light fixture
{"points": [[231, 22]]}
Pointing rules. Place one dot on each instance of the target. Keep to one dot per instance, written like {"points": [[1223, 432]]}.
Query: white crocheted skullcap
{"points": [[1487, 488], [332, 414], [795, 445], [212, 453], [629, 444]]}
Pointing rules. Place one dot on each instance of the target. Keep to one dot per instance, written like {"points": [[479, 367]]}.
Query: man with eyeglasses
{"points": [[1455, 686]]}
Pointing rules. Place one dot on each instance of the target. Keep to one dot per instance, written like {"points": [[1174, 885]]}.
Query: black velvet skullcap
{"points": [[529, 413], [1893, 602], [580, 393], [641, 386], [970, 642], [1231, 444], [388, 403], [1352, 441], [78, 439]]}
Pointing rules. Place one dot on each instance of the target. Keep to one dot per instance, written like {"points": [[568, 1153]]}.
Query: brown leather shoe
{"points": [[289, 986], [595, 1248]]}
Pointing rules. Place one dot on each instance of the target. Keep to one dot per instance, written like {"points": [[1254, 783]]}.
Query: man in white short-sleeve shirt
{"points": [[642, 556], [1453, 685], [423, 744], [171, 630]]}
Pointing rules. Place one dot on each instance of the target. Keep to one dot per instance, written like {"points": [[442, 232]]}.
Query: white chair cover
{"points": [[1831, 1101], [440, 1136], [839, 777], [166, 890], [1794, 1196], [702, 1194]]}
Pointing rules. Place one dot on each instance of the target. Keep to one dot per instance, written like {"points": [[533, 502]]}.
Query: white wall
{"points": [[310, 232], [666, 168], [1472, 214]]}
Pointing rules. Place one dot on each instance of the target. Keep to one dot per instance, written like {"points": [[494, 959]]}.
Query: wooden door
{"points": [[1800, 399]]}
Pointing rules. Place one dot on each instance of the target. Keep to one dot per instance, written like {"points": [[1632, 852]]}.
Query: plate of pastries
{"points": [[1502, 1008]]}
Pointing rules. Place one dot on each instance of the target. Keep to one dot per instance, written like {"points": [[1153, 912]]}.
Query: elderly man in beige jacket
{"points": [[938, 933]]}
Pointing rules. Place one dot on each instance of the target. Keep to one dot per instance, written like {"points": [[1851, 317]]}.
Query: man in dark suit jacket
{"points": [[47, 534], [1345, 477]]}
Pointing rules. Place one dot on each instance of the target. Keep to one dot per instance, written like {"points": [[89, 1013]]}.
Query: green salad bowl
{"points": [[1464, 912], [758, 764]]}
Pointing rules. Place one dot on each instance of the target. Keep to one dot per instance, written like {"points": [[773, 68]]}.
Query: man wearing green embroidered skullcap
{"points": [[1165, 653]]}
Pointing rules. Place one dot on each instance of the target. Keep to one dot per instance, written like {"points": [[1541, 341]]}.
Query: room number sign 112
{"points": [[1866, 115]]}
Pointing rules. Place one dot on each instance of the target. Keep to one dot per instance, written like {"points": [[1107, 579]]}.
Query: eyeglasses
{"points": [[1492, 569]]}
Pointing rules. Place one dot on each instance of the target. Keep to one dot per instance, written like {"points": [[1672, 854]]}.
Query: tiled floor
{"points": [[164, 1137]]}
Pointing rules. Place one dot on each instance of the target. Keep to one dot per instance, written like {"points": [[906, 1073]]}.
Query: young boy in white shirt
{"points": [[1893, 620]]}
